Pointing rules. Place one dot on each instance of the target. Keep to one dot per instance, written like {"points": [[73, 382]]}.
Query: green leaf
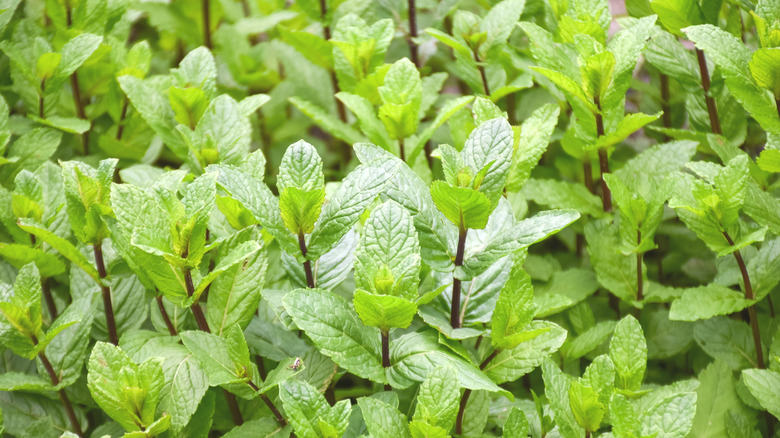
{"points": [[728, 340], [188, 105], [676, 15], [716, 397], [556, 388], [437, 401], [383, 420], [561, 194], [704, 302], [329, 123], [387, 259], [514, 310], [465, 207], [74, 53], [516, 424], [65, 248], [356, 192], [414, 355], [628, 351], [535, 135], [308, 410], [224, 361], [627, 126], [239, 255], [301, 168], [670, 418], [490, 142], [765, 386], [338, 333], [235, 294], [513, 363], [13, 381], [733, 60]]}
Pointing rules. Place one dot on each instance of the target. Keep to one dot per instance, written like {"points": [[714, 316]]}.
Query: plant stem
{"points": [[48, 298], [666, 118], [712, 108], [166, 318], [587, 172], [121, 126], [413, 49], [279, 418], [456, 284], [467, 393], [55, 380], [206, 23], [511, 108], [606, 195], [401, 151], [640, 295], [197, 311], [307, 264], [386, 353], [107, 306], [41, 107], [333, 79], [777, 104], [203, 325], [481, 69], [80, 111], [752, 309]]}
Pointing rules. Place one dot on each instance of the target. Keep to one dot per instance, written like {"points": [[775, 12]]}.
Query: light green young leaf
{"points": [[129, 393], [585, 406], [465, 207], [514, 310], [300, 209], [384, 311]]}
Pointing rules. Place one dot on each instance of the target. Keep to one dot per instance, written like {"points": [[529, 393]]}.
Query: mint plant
{"points": [[349, 218]]}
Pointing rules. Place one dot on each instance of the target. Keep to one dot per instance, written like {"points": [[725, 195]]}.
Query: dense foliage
{"points": [[418, 218]]}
